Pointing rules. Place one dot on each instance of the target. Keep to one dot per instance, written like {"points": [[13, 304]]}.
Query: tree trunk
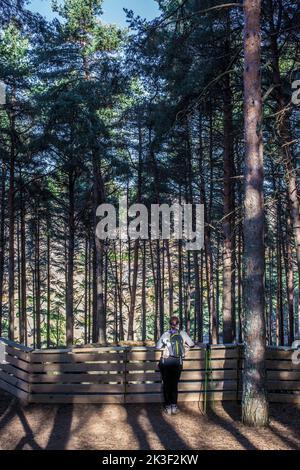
{"points": [[213, 322], [170, 280], [48, 288], [254, 402], [37, 281], [279, 306], [86, 289], [228, 318], [23, 336], [144, 298], [288, 257], [11, 256], [70, 267], [99, 326], [2, 241]]}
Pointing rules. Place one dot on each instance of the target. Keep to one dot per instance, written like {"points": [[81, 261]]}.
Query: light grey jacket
{"points": [[164, 341]]}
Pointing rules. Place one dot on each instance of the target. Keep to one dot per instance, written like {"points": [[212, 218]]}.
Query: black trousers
{"points": [[170, 369]]}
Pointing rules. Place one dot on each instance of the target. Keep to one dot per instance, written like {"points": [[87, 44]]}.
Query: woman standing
{"points": [[172, 343]]}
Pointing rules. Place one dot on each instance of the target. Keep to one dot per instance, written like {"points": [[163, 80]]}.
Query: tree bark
{"points": [[48, 288], [99, 327], [254, 401], [228, 317], [37, 281], [11, 218], [70, 266], [2, 240], [23, 315]]}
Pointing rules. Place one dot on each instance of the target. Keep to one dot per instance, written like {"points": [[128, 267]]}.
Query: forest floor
{"points": [[111, 427]]}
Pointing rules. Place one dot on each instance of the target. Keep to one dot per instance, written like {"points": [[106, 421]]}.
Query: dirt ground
{"points": [[133, 427]]}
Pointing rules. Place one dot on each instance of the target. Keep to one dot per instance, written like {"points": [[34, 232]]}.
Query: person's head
{"points": [[174, 322]]}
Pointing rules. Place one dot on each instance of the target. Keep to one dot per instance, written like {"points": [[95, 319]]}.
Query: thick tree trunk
{"points": [[254, 402]]}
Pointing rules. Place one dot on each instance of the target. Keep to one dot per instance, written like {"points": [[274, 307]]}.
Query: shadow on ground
{"points": [[142, 426]]}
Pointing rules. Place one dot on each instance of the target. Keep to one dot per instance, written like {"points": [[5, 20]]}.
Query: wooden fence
{"points": [[130, 374]]}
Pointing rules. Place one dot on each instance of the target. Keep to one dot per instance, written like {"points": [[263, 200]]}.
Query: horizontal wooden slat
{"points": [[200, 386], [216, 374], [279, 354], [77, 388], [20, 374], [74, 358], [80, 367], [144, 398], [19, 363], [17, 392], [214, 364], [14, 381], [151, 366], [45, 398], [25, 356], [143, 355], [139, 388], [143, 376], [79, 350], [224, 354], [283, 375], [284, 398], [69, 378], [282, 365], [283, 385]]}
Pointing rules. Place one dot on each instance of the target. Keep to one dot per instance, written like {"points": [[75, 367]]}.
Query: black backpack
{"points": [[176, 345]]}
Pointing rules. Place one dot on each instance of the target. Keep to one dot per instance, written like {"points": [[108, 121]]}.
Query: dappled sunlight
{"points": [[142, 426]]}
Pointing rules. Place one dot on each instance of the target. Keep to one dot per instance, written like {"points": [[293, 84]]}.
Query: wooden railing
{"points": [[15, 369], [131, 375]]}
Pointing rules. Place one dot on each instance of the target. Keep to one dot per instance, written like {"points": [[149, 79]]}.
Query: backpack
{"points": [[176, 345]]}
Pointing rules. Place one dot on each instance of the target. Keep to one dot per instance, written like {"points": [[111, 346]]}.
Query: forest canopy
{"points": [[153, 112]]}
